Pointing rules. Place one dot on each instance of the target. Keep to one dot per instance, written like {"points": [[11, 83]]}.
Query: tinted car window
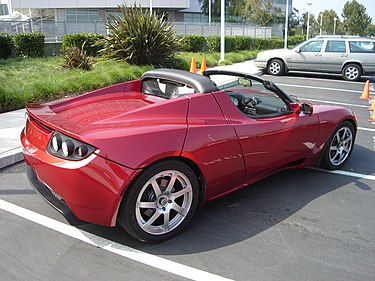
{"points": [[362, 46], [312, 46], [334, 46]]}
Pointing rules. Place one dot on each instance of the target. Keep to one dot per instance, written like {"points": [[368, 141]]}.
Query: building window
{"points": [[4, 10], [195, 17], [81, 15], [112, 12]]}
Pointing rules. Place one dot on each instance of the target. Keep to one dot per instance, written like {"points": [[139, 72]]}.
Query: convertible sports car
{"points": [[148, 152]]}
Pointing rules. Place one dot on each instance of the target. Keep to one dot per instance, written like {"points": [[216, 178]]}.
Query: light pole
{"points": [[308, 21], [286, 24], [321, 23], [222, 41], [150, 6], [209, 12], [334, 25]]}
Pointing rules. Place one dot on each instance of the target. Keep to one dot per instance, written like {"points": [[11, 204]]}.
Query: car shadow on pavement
{"points": [[328, 76], [247, 212], [231, 219]]}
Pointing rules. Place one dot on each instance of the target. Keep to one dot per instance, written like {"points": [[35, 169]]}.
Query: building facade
{"points": [[76, 11]]}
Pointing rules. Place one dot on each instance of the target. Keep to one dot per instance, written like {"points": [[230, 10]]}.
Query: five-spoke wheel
{"points": [[276, 67], [352, 72]]}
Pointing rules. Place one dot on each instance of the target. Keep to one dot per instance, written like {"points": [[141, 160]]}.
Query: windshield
{"points": [[254, 97]]}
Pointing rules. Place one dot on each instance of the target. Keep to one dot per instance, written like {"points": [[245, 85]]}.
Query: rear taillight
{"points": [[68, 148]]}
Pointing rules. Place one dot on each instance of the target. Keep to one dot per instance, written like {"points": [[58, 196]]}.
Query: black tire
{"points": [[352, 72], [339, 146], [276, 67], [173, 203]]}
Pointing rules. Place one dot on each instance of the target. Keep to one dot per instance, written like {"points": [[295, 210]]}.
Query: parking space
{"points": [[295, 225]]}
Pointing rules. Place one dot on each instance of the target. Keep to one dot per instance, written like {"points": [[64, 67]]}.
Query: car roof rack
{"points": [[338, 36]]}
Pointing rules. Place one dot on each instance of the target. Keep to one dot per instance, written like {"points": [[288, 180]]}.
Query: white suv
{"points": [[352, 56]]}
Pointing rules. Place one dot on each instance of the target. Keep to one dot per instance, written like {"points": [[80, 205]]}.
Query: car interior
{"points": [[252, 97]]}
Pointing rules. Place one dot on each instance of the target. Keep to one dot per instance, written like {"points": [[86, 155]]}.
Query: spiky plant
{"points": [[75, 57], [140, 37]]}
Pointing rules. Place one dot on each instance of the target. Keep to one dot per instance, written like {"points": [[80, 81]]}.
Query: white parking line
{"points": [[320, 88], [345, 173], [321, 79], [366, 129], [338, 103], [108, 245]]}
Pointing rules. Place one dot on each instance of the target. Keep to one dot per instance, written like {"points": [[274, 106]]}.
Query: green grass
{"points": [[26, 80]]}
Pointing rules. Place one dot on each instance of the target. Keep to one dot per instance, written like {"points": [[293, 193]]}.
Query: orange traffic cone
{"points": [[193, 67], [203, 66], [366, 91], [372, 107], [372, 119]]}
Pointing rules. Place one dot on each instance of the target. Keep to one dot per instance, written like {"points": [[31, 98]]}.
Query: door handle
{"points": [[344, 55], [318, 55]]}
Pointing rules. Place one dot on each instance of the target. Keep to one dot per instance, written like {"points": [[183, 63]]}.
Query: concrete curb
{"points": [[11, 157]]}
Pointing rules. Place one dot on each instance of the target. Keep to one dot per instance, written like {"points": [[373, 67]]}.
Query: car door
{"points": [[270, 135], [275, 142], [334, 55], [307, 57]]}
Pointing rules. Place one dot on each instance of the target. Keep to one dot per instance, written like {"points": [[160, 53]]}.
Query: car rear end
{"points": [[66, 170]]}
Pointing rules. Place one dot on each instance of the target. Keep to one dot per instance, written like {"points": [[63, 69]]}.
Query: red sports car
{"points": [[148, 152]]}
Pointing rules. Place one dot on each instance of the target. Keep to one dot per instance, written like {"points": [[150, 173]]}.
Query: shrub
{"points": [[140, 37], [296, 39], [87, 39], [213, 43], [5, 45], [193, 43], [75, 57], [235, 43], [244, 43], [267, 44], [29, 44], [230, 44]]}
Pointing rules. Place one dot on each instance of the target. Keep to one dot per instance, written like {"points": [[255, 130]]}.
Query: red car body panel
{"points": [[74, 180], [131, 130]]}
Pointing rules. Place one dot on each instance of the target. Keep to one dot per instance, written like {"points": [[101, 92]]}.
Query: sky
{"points": [[318, 6]]}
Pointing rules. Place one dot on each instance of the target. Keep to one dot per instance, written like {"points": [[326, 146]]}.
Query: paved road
{"points": [[296, 225]]}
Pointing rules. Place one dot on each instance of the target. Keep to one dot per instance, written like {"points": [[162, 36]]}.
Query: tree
{"points": [[370, 30], [261, 12], [294, 24], [328, 21], [355, 17], [314, 26]]}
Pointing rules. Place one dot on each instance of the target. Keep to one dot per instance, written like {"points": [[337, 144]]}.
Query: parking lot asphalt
{"points": [[295, 225]]}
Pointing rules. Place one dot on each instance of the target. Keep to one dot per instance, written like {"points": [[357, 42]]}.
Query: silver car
{"points": [[352, 56]]}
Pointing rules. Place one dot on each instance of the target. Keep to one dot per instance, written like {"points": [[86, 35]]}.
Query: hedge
{"points": [[86, 38], [29, 44], [5, 45], [235, 43], [193, 42]]}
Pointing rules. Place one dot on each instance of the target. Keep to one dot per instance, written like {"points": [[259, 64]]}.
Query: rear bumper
{"points": [[89, 190], [51, 198]]}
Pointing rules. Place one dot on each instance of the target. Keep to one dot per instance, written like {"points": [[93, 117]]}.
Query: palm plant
{"points": [[140, 37]]}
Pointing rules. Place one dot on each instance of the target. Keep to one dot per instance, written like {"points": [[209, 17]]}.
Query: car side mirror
{"points": [[296, 107], [307, 108], [298, 50]]}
